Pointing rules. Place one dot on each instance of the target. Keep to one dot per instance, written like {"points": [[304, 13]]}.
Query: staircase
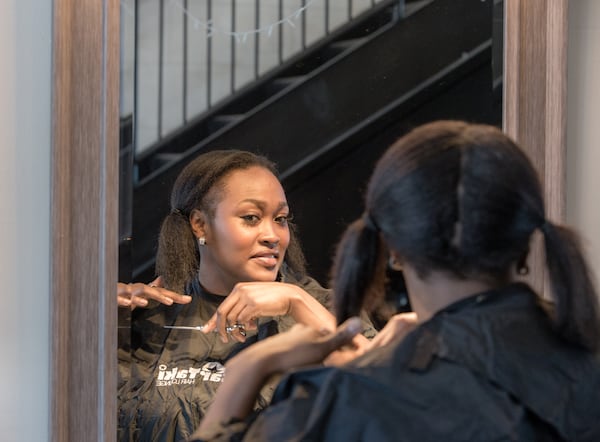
{"points": [[326, 115]]}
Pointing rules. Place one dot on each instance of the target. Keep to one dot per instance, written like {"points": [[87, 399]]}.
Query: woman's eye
{"points": [[282, 219], [251, 219]]}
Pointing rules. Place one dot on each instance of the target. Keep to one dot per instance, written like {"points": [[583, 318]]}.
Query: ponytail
{"points": [[358, 273], [177, 259], [576, 316]]}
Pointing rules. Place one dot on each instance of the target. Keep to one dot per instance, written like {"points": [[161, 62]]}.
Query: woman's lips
{"points": [[270, 260]]}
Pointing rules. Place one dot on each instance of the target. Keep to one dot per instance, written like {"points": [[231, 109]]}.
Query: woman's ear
{"points": [[198, 223], [395, 261]]}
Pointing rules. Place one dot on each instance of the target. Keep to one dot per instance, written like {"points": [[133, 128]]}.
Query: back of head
{"points": [[199, 186], [454, 197]]}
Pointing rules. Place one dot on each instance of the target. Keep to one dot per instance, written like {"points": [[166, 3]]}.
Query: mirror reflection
{"points": [[318, 87]]}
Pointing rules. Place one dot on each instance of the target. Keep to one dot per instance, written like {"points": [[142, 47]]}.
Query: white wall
{"points": [[583, 125], [25, 98]]}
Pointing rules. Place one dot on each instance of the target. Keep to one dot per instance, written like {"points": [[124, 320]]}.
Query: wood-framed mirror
{"points": [[85, 177], [335, 82], [84, 220]]}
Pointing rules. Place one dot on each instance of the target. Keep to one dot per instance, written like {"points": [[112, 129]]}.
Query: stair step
{"points": [[153, 163], [344, 45], [282, 83], [161, 159], [220, 121]]}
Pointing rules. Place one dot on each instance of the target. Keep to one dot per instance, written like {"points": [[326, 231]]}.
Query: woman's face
{"points": [[249, 234]]}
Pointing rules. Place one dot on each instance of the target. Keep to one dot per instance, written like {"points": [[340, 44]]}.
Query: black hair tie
{"points": [[369, 222], [545, 226]]}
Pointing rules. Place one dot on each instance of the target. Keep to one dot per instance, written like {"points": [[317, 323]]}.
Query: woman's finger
{"points": [[247, 316], [138, 301], [397, 328], [233, 317], [123, 301], [158, 282], [176, 297], [344, 334], [211, 324], [221, 321]]}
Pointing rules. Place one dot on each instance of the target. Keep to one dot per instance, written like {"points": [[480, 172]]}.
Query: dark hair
{"points": [[462, 198], [199, 186]]}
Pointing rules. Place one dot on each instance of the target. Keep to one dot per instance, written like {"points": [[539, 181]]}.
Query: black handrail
{"points": [[237, 36], [376, 53]]}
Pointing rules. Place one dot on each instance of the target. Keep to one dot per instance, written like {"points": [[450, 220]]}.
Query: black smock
{"points": [[172, 375], [488, 368]]}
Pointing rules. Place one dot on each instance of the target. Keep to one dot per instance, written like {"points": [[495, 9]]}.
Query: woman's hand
{"points": [[246, 372], [137, 294], [301, 345], [359, 346], [397, 327], [251, 300]]}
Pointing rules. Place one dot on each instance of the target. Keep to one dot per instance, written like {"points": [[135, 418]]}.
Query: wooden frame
{"points": [[84, 220], [85, 185], [535, 99]]}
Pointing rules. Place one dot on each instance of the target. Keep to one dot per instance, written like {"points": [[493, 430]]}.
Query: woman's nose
{"points": [[269, 234]]}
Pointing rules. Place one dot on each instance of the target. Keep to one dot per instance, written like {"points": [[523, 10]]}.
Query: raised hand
{"points": [[251, 300], [248, 370], [302, 345], [137, 294], [396, 328]]}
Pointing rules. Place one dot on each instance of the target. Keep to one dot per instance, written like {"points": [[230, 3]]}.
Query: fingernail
{"points": [[354, 325]]}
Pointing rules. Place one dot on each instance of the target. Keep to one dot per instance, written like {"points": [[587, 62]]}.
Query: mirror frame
{"points": [[535, 102], [84, 238]]}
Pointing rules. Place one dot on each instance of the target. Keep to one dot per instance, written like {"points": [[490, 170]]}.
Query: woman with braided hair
{"points": [[454, 206]]}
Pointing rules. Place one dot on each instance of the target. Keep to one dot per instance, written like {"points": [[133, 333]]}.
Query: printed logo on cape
{"points": [[209, 372]]}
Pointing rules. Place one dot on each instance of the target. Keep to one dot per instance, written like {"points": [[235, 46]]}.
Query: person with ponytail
{"points": [[229, 246], [454, 206]]}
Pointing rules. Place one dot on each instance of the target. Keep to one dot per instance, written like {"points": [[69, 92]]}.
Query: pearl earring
{"points": [[201, 241]]}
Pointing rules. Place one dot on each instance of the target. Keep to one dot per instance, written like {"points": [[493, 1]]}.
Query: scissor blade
{"points": [[185, 327]]}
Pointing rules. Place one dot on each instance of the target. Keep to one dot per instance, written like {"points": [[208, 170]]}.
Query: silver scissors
{"points": [[185, 327], [228, 329]]}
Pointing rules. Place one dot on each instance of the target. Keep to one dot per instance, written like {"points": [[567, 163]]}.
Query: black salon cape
{"points": [[172, 375], [488, 368]]}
